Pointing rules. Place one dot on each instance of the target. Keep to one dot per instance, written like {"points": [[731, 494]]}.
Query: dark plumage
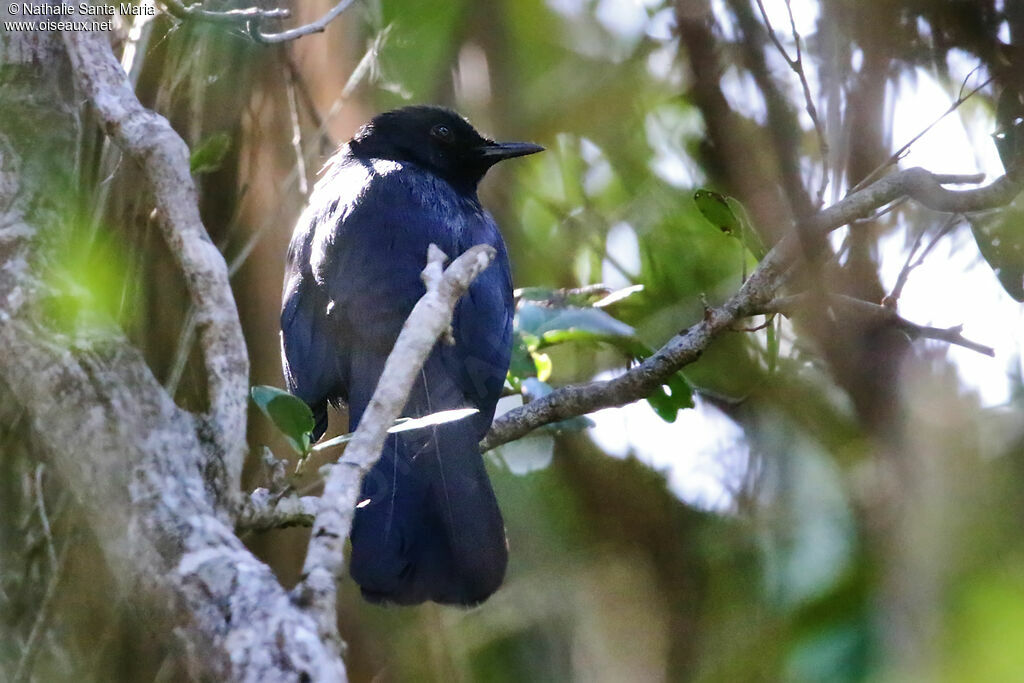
{"points": [[428, 526]]}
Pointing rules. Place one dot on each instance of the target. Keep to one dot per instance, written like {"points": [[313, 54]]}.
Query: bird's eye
{"points": [[442, 133]]}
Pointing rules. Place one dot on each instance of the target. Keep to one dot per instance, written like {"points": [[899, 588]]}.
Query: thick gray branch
{"points": [[430, 319], [148, 139], [686, 347], [136, 464], [135, 461]]}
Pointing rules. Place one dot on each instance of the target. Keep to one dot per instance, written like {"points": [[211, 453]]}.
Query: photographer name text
{"points": [[32, 9]]}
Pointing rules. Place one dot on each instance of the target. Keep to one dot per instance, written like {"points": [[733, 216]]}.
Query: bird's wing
{"points": [[356, 271], [381, 251], [482, 328], [307, 342]]}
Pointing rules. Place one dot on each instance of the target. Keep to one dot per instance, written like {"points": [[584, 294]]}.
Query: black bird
{"points": [[427, 526]]}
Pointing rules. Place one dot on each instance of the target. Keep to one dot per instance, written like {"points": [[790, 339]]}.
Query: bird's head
{"points": [[436, 139]]}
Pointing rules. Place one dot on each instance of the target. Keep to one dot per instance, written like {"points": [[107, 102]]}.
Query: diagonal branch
{"points": [[251, 19], [884, 314], [148, 139], [797, 65], [317, 26], [430, 318], [686, 347], [240, 16], [95, 413]]}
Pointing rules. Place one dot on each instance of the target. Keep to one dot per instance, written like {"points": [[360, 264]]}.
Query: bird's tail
{"points": [[428, 525]]}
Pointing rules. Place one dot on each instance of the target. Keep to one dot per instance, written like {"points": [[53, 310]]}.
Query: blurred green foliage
{"points": [[91, 292], [824, 549]]}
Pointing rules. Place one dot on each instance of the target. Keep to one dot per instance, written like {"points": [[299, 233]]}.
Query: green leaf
{"points": [[542, 362], [522, 364], [674, 395], [1009, 138], [597, 295], [663, 405], [209, 154], [715, 208], [1010, 144], [543, 326], [290, 415], [557, 325], [1000, 240], [729, 216]]}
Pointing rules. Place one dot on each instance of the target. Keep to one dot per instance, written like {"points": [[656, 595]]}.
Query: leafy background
{"points": [[820, 548]]}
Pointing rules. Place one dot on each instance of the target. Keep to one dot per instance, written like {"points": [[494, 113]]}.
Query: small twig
{"points": [[181, 353], [275, 472], [264, 510], [883, 314], [769, 319], [888, 208], [326, 143], [44, 519], [251, 19], [238, 17], [950, 335], [31, 646], [293, 114], [797, 65], [432, 315], [908, 266], [317, 26], [899, 154]]}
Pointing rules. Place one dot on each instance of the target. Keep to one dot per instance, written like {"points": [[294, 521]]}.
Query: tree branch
{"points": [[251, 19], [797, 66], [429, 320], [263, 510], [236, 17], [686, 347], [148, 139], [317, 26], [886, 315], [94, 411]]}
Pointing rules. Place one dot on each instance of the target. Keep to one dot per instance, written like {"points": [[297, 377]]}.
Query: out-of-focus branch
{"points": [[797, 65], [251, 19], [239, 16], [317, 26], [686, 347], [884, 315], [429, 320], [892, 299], [163, 158], [902, 151]]}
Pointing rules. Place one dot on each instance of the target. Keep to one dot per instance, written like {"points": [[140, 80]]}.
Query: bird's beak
{"points": [[494, 152]]}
